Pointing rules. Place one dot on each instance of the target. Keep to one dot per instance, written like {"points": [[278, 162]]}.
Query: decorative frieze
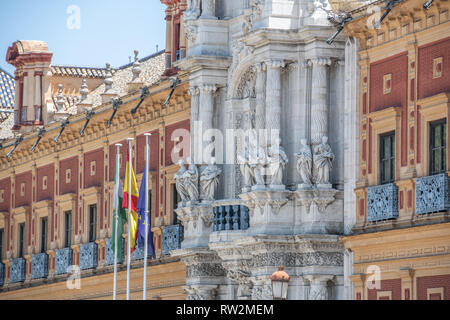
{"points": [[432, 193], [63, 260], [172, 236], [382, 202], [88, 256], [39, 268], [17, 270]]}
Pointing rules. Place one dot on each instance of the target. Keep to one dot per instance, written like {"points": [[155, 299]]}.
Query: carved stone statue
{"points": [[246, 170], [179, 181], [209, 180], [305, 163], [257, 161], [193, 9], [323, 162], [190, 178], [277, 161]]}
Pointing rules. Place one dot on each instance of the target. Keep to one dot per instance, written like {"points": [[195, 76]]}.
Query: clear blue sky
{"points": [[109, 30]]}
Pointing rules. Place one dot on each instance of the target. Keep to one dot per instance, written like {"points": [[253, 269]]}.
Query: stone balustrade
{"points": [[17, 270], [230, 217], [382, 202], [432, 194], [63, 260], [39, 268], [88, 256], [172, 236]]}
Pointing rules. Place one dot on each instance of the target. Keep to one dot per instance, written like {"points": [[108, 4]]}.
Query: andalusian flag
{"points": [[122, 218], [134, 200]]}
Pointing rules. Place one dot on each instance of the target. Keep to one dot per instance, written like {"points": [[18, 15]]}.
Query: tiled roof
{"points": [[7, 85], [78, 71]]}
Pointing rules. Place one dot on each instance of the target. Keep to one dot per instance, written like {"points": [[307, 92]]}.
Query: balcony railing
{"points": [[382, 202], [2, 274], [109, 257], [138, 253], [172, 236], [432, 194], [231, 217], [17, 270], [63, 260], [39, 268], [88, 256]]}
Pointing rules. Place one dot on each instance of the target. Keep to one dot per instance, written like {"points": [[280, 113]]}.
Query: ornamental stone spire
{"points": [[84, 90], [109, 93]]}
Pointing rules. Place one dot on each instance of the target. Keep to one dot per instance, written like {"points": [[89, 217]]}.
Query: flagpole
{"points": [[116, 206], [147, 164], [130, 141]]}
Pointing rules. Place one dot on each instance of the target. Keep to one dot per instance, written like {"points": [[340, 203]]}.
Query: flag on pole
{"points": [[141, 220], [133, 193], [122, 216]]}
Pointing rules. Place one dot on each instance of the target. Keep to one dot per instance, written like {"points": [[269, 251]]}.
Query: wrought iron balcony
{"points": [[231, 217], [39, 268], [17, 270], [2, 274], [172, 236], [382, 202], [63, 260], [432, 194], [138, 254], [109, 254], [88, 256]]}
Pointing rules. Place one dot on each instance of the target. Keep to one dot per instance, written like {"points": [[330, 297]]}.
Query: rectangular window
{"points": [[92, 222], [438, 146], [44, 229], [1, 245], [177, 44], [68, 229], [176, 200], [387, 158], [21, 239]]}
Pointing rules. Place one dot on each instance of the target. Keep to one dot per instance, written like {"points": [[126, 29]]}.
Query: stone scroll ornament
{"points": [[209, 180], [323, 162], [305, 163]]}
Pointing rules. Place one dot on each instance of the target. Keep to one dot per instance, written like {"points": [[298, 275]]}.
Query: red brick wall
{"points": [[26, 199], [5, 185], [424, 283], [170, 144], [154, 152], [112, 159], [49, 171], [427, 86], [97, 179], [70, 163], [394, 285], [398, 67]]}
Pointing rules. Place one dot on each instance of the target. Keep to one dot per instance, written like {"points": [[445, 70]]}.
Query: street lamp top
{"points": [[280, 275]]}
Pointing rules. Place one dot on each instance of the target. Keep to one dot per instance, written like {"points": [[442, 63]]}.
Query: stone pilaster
{"points": [[206, 112], [51, 263], [319, 99], [295, 132], [273, 96], [318, 286], [260, 118], [208, 9], [195, 105]]}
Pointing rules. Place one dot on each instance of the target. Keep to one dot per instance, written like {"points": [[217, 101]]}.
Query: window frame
{"points": [[92, 226], [390, 159], [442, 123], [44, 234], [67, 230], [21, 242]]}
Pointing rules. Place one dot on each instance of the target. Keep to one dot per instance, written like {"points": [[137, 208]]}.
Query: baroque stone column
{"points": [[319, 99], [260, 95], [273, 94], [206, 111], [195, 101], [295, 124], [318, 286]]}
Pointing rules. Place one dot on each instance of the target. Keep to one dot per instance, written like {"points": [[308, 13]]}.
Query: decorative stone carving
{"points": [[193, 10], [190, 180], [172, 236], [17, 270], [39, 267], [305, 163], [382, 202], [318, 286], [257, 161], [433, 193], [209, 180], [136, 70], [246, 87], [323, 163], [191, 32], [201, 292], [246, 169], [179, 181], [276, 162], [63, 260], [88, 256], [262, 291]]}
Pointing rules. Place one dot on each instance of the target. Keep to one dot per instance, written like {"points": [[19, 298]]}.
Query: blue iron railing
{"points": [[63, 260], [17, 270], [39, 267], [382, 202], [432, 194], [88, 256], [172, 236]]}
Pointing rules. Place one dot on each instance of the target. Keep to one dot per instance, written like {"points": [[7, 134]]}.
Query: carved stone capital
{"points": [[208, 88], [260, 67], [321, 61], [275, 63], [194, 91], [292, 66]]}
